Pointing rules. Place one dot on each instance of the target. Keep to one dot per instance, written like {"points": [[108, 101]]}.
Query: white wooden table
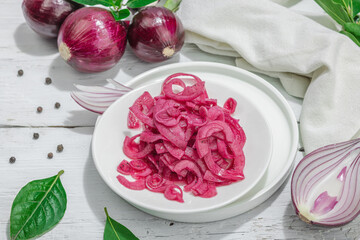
{"points": [[70, 125]]}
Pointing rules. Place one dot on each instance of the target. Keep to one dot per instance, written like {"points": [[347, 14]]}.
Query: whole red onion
{"points": [[90, 40], [156, 34], [46, 16]]}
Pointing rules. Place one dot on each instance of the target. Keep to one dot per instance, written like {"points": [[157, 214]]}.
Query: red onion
{"points": [[90, 40], [46, 16], [325, 185], [156, 34]]}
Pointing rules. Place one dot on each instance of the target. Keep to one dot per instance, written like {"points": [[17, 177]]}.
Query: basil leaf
{"points": [[121, 14], [37, 208], [138, 3], [95, 2], [335, 10], [352, 37], [116, 231]]}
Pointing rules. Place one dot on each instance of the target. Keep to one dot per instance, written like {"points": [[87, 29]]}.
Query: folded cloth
{"points": [[311, 60]]}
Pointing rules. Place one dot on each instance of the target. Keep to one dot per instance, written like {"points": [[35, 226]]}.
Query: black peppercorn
{"points": [[39, 109], [48, 80], [36, 135], [60, 148], [12, 160], [20, 72], [57, 105], [50, 155]]}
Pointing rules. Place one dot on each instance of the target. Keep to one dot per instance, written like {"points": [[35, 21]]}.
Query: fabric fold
{"points": [[310, 59]]}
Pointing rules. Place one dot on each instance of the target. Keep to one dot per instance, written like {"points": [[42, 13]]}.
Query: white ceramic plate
{"points": [[281, 121], [111, 130]]}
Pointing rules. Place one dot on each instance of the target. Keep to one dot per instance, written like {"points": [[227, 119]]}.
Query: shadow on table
{"points": [[293, 227], [31, 43], [99, 195], [247, 216], [64, 76], [133, 66], [87, 118]]}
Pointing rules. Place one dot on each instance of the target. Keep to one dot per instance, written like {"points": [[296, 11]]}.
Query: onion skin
{"points": [[90, 40], [156, 34], [46, 16]]}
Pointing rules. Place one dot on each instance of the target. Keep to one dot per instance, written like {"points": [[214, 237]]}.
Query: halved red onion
{"points": [[46, 16], [325, 186], [97, 99], [91, 40]]}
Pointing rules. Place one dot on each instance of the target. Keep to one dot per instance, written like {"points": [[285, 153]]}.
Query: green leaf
{"points": [[117, 3], [106, 3], [116, 231], [121, 14], [356, 7], [138, 3], [337, 11], [353, 28], [37, 208], [344, 3], [352, 37], [172, 5]]}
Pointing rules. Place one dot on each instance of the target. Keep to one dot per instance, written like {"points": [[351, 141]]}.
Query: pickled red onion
{"points": [[187, 140]]}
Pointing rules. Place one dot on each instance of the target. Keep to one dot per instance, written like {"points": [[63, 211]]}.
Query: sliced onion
{"points": [[124, 168], [325, 185], [134, 150], [155, 183], [138, 165], [174, 192], [138, 184], [186, 140], [230, 105], [96, 98]]}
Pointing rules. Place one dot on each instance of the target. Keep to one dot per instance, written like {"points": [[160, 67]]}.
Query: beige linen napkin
{"points": [[310, 59]]}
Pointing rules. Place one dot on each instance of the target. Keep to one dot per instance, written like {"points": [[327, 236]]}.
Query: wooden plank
{"points": [[88, 195]]}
